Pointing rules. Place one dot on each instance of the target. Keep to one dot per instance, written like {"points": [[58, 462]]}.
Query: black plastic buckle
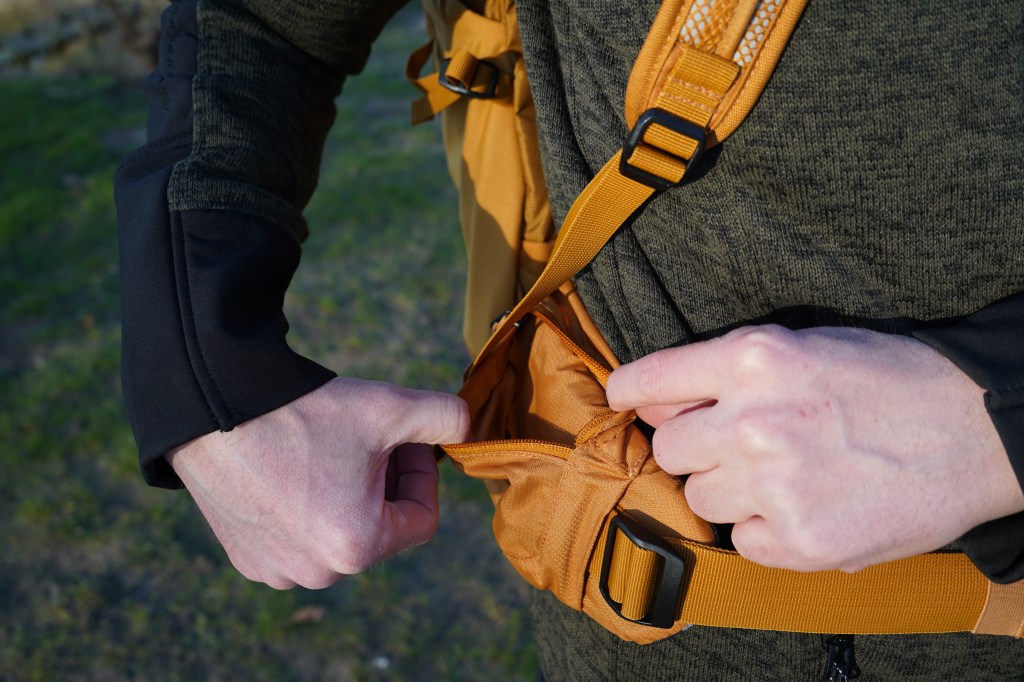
{"points": [[636, 136], [669, 582], [492, 83]]}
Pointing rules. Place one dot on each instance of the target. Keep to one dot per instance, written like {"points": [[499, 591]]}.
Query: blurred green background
{"points": [[102, 578]]}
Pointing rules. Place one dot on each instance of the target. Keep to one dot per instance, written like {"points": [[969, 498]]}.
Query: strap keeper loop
{"points": [[671, 122], [467, 87]]}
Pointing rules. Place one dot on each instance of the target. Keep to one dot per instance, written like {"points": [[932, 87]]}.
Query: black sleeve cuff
{"points": [[997, 548], [989, 347], [203, 335]]}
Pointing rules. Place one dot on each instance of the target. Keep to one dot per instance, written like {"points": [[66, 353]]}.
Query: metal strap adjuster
{"points": [[668, 577], [636, 137]]}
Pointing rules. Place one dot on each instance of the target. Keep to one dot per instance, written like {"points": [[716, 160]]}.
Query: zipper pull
{"points": [[841, 664]]}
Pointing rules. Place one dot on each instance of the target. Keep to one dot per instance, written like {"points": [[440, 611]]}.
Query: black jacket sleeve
{"points": [[209, 210], [989, 347]]}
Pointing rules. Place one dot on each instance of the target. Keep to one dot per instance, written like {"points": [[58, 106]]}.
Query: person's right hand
{"points": [[326, 485]]}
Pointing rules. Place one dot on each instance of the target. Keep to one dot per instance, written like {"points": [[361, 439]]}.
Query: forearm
{"points": [[209, 212]]}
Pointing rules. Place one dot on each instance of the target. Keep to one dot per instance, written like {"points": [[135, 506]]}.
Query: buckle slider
{"points": [[465, 89], [636, 137], [669, 577]]}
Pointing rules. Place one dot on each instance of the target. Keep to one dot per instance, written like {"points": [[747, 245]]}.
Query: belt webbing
{"points": [[936, 592]]}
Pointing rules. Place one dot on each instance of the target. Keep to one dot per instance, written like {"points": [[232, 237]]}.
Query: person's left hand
{"points": [[828, 447]]}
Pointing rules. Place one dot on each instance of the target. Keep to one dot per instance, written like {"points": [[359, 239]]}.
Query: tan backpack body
{"points": [[582, 509], [490, 140]]}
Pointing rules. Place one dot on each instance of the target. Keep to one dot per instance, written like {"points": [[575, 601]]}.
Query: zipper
{"points": [[529, 445], [841, 663], [596, 368]]}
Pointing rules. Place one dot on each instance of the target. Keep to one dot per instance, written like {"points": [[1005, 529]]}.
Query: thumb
{"points": [[430, 417], [410, 517]]}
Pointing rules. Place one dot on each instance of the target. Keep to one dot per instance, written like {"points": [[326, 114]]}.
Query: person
{"points": [[840, 291]]}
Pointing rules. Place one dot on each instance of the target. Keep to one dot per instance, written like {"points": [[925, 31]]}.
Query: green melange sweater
{"points": [[878, 183]]}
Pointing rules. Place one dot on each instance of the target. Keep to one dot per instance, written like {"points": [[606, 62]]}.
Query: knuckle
{"points": [[798, 547], [423, 536], [641, 381], [766, 431], [248, 573], [282, 577], [814, 550], [280, 583], [696, 497], [753, 433], [760, 350], [756, 549], [352, 554], [246, 568], [315, 577], [427, 417], [451, 415], [780, 551], [661, 444], [650, 375]]}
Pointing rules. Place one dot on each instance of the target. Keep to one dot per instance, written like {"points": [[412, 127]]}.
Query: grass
{"points": [[102, 578], [18, 15]]}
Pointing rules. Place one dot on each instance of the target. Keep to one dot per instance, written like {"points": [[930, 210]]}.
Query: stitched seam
{"points": [[693, 86], [686, 100], [220, 413], [183, 140], [226, 420]]}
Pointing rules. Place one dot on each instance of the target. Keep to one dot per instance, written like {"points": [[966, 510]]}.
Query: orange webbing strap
{"points": [[937, 592]]}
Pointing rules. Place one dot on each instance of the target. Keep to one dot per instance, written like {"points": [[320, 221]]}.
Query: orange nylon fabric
{"points": [[611, 198], [546, 429], [491, 147], [533, 391]]}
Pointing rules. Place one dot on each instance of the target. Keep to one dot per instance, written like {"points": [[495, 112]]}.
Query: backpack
{"points": [[582, 509]]}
